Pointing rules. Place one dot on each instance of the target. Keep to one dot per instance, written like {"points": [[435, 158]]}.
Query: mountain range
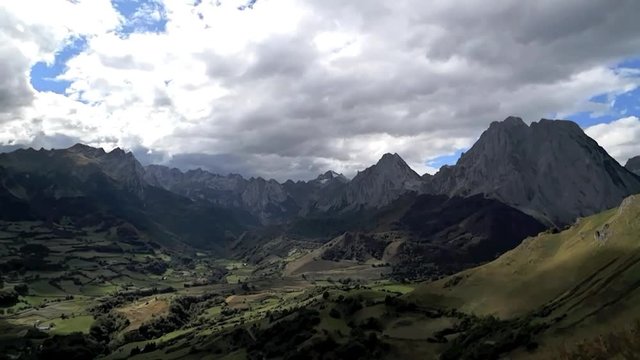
{"points": [[550, 170]]}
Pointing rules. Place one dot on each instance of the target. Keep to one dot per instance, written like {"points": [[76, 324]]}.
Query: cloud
{"points": [[620, 137], [290, 88]]}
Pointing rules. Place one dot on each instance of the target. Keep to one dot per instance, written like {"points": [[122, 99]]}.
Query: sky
{"points": [[291, 88]]}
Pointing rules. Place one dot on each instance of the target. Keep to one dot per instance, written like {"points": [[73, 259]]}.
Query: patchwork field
{"points": [[146, 302]]}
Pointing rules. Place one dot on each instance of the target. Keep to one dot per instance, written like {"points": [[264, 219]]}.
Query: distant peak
{"points": [[121, 152], [79, 146], [86, 149], [513, 120], [391, 158], [508, 123], [82, 147], [330, 175]]}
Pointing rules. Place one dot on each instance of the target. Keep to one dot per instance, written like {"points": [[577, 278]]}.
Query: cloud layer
{"points": [[288, 89], [621, 137]]}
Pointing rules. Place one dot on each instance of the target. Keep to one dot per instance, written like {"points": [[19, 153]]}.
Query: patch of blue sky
{"points": [[45, 77], [141, 16], [617, 106], [448, 159]]}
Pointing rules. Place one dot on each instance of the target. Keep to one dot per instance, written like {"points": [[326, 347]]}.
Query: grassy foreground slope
{"points": [[581, 282]]}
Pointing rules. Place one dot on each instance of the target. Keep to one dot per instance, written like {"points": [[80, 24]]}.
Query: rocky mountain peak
{"points": [[550, 169], [120, 153], [376, 186], [509, 122], [390, 157], [390, 166], [389, 160], [330, 175], [87, 151]]}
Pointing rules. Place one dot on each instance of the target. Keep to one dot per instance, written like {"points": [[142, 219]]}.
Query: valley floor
{"points": [[76, 293]]}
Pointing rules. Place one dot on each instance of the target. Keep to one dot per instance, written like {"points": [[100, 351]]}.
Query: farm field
{"points": [[145, 301]]}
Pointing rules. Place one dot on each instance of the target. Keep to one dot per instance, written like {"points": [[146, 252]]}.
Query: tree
{"points": [[134, 351], [35, 250], [22, 289], [334, 313]]}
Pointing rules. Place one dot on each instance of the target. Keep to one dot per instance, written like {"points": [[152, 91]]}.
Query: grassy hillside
{"points": [[581, 282]]}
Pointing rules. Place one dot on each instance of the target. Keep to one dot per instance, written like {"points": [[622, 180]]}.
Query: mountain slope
{"points": [[267, 200], [88, 185], [584, 280], [633, 165], [275, 203], [327, 185], [475, 227], [550, 169], [420, 236], [374, 187]]}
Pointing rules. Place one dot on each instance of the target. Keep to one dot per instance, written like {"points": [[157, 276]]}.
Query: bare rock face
{"points": [[198, 184], [80, 161], [118, 164], [549, 169], [325, 186], [272, 202], [633, 165], [266, 199], [91, 186], [376, 186]]}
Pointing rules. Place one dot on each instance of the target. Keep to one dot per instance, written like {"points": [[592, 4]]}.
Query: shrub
{"points": [[335, 313], [372, 324], [21, 289], [8, 298], [106, 325], [75, 346]]}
